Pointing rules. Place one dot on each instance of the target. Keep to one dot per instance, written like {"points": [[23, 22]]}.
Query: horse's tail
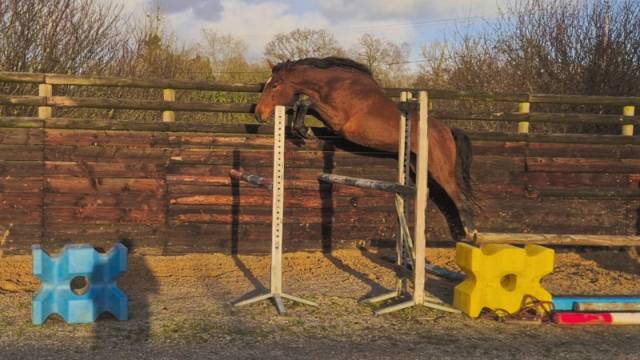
{"points": [[464, 157]]}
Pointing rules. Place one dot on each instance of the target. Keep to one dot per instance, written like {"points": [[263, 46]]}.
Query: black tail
{"points": [[464, 157]]}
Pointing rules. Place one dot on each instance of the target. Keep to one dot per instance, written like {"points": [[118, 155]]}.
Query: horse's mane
{"points": [[324, 63]]}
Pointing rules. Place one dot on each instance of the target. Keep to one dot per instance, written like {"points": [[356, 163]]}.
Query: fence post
{"points": [[523, 126], [627, 130], [168, 95], [45, 112]]}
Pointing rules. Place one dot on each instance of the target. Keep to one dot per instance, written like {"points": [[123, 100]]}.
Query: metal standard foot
{"points": [[410, 303], [395, 307], [381, 297], [277, 300], [300, 300], [430, 301], [442, 307]]}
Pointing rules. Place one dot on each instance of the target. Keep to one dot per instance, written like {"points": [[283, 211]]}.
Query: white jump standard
{"points": [[407, 250], [277, 221]]}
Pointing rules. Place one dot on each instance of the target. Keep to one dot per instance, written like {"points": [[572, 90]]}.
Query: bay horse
{"points": [[347, 99]]}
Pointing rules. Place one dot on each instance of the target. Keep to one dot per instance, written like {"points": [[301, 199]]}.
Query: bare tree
{"points": [[65, 36], [549, 46], [435, 70], [387, 60], [222, 48], [302, 43]]}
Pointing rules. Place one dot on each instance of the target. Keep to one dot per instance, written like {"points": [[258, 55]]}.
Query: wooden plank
{"points": [[577, 165], [122, 169], [140, 238], [24, 136], [558, 239], [31, 201], [21, 122], [226, 215], [106, 153], [214, 156], [122, 103], [550, 214], [104, 185], [20, 216], [17, 169], [498, 148], [93, 215], [21, 185], [59, 79], [21, 77], [539, 117], [20, 237], [605, 151], [126, 200], [555, 138], [584, 193], [573, 180], [21, 152], [83, 137], [584, 99], [254, 238]]}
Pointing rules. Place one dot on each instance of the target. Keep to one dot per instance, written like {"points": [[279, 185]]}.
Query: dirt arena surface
{"points": [[180, 307]]}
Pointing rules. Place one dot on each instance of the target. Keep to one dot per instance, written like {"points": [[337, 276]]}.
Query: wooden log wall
{"points": [[164, 187]]}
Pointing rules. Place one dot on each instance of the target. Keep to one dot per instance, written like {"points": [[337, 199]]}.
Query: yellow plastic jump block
{"points": [[499, 276]]}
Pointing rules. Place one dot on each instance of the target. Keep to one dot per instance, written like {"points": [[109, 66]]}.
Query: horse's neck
{"points": [[318, 86]]}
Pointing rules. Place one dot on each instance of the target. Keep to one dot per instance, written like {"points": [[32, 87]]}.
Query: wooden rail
{"points": [[626, 120], [58, 79], [557, 239], [434, 94], [100, 103]]}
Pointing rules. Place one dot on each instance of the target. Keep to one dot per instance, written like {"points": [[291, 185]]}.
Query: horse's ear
{"points": [[270, 64]]}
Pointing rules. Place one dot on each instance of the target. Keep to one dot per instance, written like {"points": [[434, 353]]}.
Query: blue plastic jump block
{"points": [[567, 303], [101, 294]]}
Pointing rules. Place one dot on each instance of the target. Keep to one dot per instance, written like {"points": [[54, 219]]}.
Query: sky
{"points": [[257, 21]]}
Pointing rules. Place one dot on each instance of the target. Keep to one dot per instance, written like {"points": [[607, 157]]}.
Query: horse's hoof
{"points": [[471, 236], [303, 133]]}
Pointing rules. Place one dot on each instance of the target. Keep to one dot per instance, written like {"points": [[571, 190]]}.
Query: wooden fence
{"points": [[164, 187]]}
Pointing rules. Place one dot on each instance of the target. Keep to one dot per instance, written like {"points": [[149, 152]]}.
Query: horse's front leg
{"points": [[300, 110]]}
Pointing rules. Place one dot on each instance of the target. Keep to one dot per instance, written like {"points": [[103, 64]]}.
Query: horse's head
{"points": [[278, 90]]}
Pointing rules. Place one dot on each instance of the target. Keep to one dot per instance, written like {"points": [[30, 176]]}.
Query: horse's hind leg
{"points": [[447, 181]]}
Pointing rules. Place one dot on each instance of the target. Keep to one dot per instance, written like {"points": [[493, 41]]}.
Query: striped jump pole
{"points": [[611, 318], [596, 303]]}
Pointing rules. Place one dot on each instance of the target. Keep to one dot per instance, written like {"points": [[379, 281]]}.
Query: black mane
{"points": [[324, 63]]}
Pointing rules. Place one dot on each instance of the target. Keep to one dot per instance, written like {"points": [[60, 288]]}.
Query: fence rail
{"points": [[436, 94], [627, 119], [101, 103]]}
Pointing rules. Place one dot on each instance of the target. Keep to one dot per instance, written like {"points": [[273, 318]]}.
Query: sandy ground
{"points": [[180, 307]]}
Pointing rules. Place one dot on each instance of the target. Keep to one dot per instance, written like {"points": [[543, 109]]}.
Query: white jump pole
{"points": [[277, 220]]}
